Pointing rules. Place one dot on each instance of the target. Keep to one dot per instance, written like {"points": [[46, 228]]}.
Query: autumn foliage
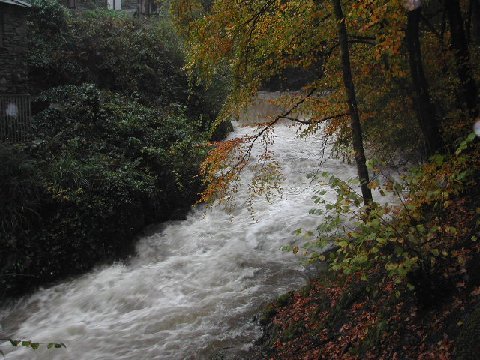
{"points": [[406, 288], [399, 78]]}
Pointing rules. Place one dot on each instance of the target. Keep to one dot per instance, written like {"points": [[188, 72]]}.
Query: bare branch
{"points": [[310, 122], [242, 162]]}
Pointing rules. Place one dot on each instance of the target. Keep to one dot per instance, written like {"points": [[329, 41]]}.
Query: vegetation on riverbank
{"points": [[117, 138], [407, 288]]}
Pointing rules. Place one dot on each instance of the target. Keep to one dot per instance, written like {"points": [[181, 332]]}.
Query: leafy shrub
{"points": [[116, 141], [21, 192], [100, 168], [433, 222]]}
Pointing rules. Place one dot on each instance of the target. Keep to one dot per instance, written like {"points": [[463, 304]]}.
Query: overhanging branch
{"points": [[311, 122]]}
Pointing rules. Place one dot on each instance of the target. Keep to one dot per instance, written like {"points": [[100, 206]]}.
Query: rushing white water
{"points": [[195, 284]]}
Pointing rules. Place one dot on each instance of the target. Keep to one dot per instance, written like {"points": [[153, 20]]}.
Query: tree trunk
{"points": [[474, 21], [423, 105], [468, 89], [356, 127]]}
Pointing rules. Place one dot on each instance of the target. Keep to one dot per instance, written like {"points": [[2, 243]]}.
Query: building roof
{"points": [[16, 3]]}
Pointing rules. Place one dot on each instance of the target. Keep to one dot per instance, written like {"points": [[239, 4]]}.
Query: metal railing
{"points": [[15, 117]]}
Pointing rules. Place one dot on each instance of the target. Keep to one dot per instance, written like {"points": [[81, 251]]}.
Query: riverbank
{"points": [[428, 311], [345, 318], [115, 142]]}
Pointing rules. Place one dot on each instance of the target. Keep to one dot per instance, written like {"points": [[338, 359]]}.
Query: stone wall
{"points": [[13, 50]]}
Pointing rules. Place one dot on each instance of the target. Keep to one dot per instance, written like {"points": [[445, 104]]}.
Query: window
{"points": [[114, 4]]}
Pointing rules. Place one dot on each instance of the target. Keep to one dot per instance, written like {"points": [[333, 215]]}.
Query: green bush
{"points": [[100, 167], [420, 239], [117, 139], [21, 193]]}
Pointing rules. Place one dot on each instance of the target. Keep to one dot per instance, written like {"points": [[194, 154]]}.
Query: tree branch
{"points": [[310, 122], [242, 162]]}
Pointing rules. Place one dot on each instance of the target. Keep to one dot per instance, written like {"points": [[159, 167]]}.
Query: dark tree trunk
{"points": [[357, 138], [423, 105], [475, 21], [468, 89]]}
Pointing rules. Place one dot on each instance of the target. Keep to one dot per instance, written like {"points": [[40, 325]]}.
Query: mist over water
{"points": [[194, 286]]}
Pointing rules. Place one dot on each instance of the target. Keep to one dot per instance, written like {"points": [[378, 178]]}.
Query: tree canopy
{"points": [[406, 59]]}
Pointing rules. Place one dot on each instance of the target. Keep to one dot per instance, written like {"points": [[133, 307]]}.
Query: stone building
{"points": [[14, 98], [13, 48]]}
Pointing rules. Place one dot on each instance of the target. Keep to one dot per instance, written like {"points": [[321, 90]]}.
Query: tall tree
{"points": [[357, 139], [474, 21], [468, 92], [424, 107]]}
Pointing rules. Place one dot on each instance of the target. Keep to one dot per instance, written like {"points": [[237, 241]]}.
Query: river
{"points": [[194, 286]]}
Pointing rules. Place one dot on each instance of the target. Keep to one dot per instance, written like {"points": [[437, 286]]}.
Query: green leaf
{"points": [[438, 159], [464, 144], [471, 137], [370, 164], [343, 244]]}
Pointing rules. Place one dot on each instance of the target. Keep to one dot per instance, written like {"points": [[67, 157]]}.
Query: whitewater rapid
{"points": [[194, 286]]}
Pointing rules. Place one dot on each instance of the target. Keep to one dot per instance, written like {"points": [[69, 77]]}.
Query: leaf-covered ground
{"points": [[344, 317], [345, 320]]}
